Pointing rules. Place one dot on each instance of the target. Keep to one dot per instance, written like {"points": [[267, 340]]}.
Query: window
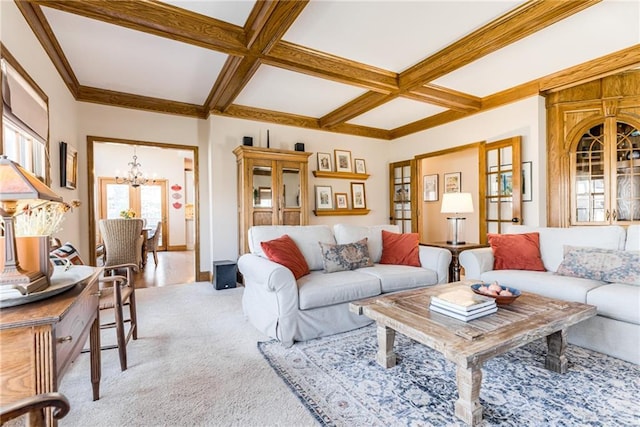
{"points": [[25, 120]]}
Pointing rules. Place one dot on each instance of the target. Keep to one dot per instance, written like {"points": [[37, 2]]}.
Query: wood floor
{"points": [[173, 268]]}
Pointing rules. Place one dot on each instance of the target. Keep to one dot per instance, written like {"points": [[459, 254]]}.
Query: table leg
{"points": [[455, 268], [386, 357], [468, 407], [556, 345], [94, 347]]}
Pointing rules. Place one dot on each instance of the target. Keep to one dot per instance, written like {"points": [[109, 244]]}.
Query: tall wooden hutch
{"points": [[272, 189], [593, 152]]}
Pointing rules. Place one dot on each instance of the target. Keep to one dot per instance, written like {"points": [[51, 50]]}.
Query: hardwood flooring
{"points": [[173, 268]]}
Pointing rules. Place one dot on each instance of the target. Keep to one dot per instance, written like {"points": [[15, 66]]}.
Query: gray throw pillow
{"points": [[345, 257]]}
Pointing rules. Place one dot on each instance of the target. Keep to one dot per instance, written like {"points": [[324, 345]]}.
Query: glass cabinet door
{"points": [[263, 197], [401, 196], [627, 173], [290, 203]]}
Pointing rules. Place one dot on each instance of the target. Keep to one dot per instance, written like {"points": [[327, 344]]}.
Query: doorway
{"points": [[168, 197]]}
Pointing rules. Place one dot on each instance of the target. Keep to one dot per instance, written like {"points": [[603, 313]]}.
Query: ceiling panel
{"points": [[234, 12], [396, 113], [288, 92], [592, 33], [391, 35], [119, 59]]}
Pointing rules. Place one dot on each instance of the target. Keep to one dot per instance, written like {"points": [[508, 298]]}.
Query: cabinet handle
{"points": [[607, 215], [65, 339], [615, 215]]}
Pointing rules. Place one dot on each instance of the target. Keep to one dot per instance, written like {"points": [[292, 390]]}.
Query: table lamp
{"points": [[16, 184], [456, 203]]}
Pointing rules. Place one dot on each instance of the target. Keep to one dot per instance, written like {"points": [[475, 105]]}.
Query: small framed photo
{"points": [[358, 198], [452, 182], [430, 188], [359, 166], [324, 197], [343, 160], [341, 201], [324, 162]]}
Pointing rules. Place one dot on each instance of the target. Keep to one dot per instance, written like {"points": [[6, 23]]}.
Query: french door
{"points": [[500, 185], [148, 201]]}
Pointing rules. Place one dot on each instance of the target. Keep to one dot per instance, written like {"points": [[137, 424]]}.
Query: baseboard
{"points": [[204, 276]]}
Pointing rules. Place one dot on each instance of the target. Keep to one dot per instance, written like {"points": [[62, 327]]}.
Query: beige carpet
{"points": [[195, 363]]}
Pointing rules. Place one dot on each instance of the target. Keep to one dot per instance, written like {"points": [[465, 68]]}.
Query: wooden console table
{"points": [[454, 267], [39, 340]]}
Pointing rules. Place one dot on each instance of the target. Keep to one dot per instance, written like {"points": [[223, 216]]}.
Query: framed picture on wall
{"points": [[324, 198], [358, 198], [68, 166], [430, 188], [452, 182], [360, 166], [324, 162], [341, 201], [343, 160]]}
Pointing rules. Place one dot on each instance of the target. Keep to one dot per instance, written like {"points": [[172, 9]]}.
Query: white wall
{"points": [[524, 118], [20, 41]]}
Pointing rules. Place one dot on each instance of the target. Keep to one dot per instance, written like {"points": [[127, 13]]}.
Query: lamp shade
{"points": [[18, 184], [456, 203]]}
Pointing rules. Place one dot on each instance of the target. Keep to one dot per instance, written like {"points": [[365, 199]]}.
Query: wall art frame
{"points": [[430, 188], [324, 162], [359, 166], [68, 166], [343, 160], [453, 182], [324, 197], [342, 201], [358, 196]]}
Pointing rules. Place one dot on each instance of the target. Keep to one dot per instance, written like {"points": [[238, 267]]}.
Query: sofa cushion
{"points": [[284, 251], [544, 283], [617, 301], [345, 257], [306, 238], [346, 233], [516, 251], [553, 239], [319, 290], [633, 238], [398, 277], [607, 265], [400, 249]]}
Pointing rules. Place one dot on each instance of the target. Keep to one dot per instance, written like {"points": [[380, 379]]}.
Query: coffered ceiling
{"points": [[381, 69]]}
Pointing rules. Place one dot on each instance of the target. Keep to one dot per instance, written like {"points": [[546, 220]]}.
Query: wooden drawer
{"points": [[71, 332]]}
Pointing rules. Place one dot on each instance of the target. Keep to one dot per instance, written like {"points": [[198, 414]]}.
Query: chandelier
{"points": [[135, 177]]}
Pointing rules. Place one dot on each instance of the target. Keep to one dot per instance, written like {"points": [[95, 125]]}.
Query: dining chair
{"points": [[35, 406], [152, 242], [123, 248]]}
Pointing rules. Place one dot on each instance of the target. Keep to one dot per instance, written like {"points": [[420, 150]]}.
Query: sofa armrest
{"points": [[270, 298], [476, 261], [436, 259]]}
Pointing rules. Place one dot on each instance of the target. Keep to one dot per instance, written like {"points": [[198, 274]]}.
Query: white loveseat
{"points": [[317, 304], [616, 328]]}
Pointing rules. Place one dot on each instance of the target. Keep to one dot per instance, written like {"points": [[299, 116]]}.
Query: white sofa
{"points": [[616, 328], [317, 304]]}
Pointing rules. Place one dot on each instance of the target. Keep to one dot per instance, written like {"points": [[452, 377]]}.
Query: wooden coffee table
{"points": [[469, 344]]}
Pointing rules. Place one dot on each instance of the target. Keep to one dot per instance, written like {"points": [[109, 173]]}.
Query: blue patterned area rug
{"points": [[339, 381]]}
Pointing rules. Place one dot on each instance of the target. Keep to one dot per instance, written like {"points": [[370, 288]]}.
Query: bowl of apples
{"points": [[504, 295]]}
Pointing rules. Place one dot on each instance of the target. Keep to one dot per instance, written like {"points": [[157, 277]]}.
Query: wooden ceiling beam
{"points": [[139, 102], [160, 19], [40, 27], [257, 114], [302, 59], [365, 102], [267, 23], [445, 97], [510, 27]]}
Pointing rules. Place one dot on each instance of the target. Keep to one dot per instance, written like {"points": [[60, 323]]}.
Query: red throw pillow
{"points": [[284, 251], [400, 249], [516, 251]]}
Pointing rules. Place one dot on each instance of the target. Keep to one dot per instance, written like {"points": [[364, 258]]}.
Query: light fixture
{"points": [[16, 184], [135, 177], [456, 203]]}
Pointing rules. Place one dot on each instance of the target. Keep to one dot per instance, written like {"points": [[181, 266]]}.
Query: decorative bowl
{"points": [[500, 299]]}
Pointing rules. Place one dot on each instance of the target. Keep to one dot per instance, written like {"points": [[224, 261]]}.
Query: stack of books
{"points": [[463, 304]]}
